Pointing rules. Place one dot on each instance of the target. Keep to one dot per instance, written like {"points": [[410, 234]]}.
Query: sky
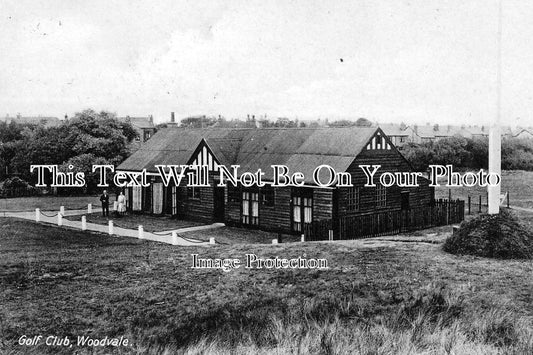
{"points": [[389, 61]]}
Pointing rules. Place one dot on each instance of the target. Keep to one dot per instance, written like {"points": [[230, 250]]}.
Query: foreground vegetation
{"points": [[500, 235], [376, 297]]}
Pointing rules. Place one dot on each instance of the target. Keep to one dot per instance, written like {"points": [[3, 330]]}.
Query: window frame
{"points": [[353, 199], [381, 196]]}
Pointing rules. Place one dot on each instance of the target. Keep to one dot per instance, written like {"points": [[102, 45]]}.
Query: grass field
{"points": [[377, 297], [132, 221], [47, 203], [518, 183]]}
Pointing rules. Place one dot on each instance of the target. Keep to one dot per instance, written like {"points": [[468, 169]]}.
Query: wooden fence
{"points": [[439, 213]]}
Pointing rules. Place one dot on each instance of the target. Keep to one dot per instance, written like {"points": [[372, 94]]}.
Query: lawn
{"points": [[518, 183], [233, 235], [47, 203], [376, 297], [132, 221]]}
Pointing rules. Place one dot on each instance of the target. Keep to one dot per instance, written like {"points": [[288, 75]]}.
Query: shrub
{"points": [[498, 236]]}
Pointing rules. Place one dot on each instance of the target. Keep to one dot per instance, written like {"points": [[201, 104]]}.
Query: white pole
{"points": [[110, 224], [59, 219], [89, 208], [62, 210], [212, 240], [494, 134], [141, 231], [174, 238], [83, 223], [37, 215], [274, 241], [303, 238]]}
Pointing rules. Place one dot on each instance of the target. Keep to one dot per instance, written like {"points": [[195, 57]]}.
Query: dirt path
{"points": [[163, 237]]}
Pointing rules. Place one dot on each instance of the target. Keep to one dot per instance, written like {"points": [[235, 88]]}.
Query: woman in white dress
{"points": [[121, 203]]}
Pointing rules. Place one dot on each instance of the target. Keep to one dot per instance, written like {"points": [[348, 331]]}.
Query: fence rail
{"points": [[438, 213]]}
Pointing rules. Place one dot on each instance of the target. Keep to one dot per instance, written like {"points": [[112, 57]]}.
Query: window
{"points": [[147, 135], [381, 196], [302, 209], [267, 195], [234, 194], [193, 192], [174, 200], [250, 208], [352, 199]]}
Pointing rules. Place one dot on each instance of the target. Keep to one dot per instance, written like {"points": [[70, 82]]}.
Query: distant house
{"points": [[398, 134], [282, 209], [46, 121], [143, 125], [423, 134], [477, 131]]}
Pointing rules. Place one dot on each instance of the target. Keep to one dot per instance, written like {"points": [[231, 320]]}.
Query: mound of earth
{"points": [[496, 236]]}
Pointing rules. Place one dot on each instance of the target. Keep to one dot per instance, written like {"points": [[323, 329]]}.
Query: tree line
{"points": [[88, 138], [469, 153]]}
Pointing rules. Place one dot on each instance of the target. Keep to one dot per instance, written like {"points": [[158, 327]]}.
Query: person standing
{"points": [[121, 203], [104, 199]]}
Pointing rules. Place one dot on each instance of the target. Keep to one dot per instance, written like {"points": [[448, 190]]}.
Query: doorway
{"points": [[219, 204]]}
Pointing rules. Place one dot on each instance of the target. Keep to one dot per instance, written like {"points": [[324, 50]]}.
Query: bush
{"points": [[472, 153], [16, 187], [496, 236]]}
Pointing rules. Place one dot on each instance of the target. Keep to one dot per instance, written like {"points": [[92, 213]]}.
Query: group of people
{"points": [[121, 201]]}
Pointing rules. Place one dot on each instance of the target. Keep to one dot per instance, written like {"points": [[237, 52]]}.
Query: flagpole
{"points": [[494, 133]]}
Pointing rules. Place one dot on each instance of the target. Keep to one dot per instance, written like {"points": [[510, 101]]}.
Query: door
{"points": [[219, 203], [404, 200]]}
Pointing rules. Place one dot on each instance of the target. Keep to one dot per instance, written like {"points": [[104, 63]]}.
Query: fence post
{"points": [[62, 210], [89, 208], [59, 219], [274, 241], [303, 238], [37, 215], [141, 231], [83, 223], [212, 240], [110, 224], [174, 238], [507, 199], [330, 234]]}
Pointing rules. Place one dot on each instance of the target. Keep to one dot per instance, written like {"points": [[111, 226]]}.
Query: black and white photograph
{"points": [[266, 177]]}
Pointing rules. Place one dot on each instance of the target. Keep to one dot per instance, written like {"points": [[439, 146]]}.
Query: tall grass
{"points": [[432, 320]]}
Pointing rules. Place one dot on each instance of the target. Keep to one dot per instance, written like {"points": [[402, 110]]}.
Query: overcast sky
{"points": [[391, 61]]}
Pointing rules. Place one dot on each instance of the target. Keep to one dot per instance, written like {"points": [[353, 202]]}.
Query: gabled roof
{"points": [[139, 122], [392, 129], [47, 121], [301, 149], [425, 131]]}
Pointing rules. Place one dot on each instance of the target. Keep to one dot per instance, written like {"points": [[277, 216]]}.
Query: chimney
{"points": [[172, 118], [151, 118]]}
